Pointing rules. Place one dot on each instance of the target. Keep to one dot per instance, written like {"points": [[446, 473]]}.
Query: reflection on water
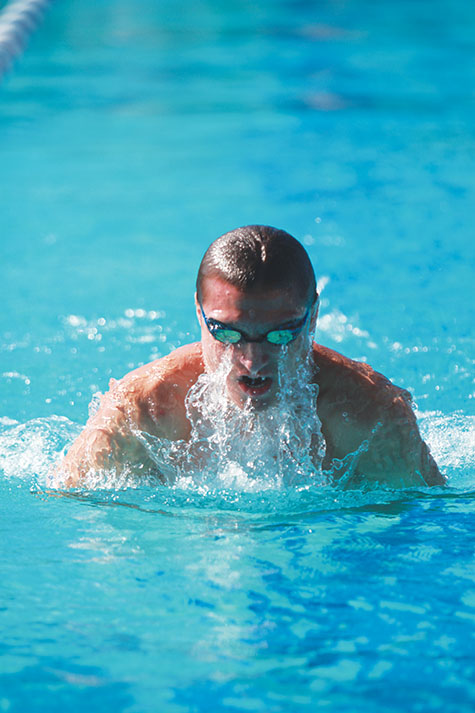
{"points": [[154, 126], [310, 592]]}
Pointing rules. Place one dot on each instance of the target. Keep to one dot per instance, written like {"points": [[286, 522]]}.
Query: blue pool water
{"points": [[131, 135]]}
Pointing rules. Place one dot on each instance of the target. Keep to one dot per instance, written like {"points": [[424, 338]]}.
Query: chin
{"points": [[256, 403]]}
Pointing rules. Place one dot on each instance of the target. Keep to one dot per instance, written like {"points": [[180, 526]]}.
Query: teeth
{"points": [[257, 381]]}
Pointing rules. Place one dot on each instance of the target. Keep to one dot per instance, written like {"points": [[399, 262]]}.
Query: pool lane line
{"points": [[18, 20]]}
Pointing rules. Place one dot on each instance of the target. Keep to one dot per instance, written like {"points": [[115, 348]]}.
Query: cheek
{"points": [[213, 352]]}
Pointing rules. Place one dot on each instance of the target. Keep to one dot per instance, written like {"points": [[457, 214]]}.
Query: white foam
{"points": [[29, 450], [451, 438], [244, 448], [231, 449]]}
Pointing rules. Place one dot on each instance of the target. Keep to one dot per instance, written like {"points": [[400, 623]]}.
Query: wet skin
{"points": [[254, 371], [355, 403]]}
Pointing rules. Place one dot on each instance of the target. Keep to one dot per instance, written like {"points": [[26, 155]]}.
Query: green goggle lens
{"points": [[226, 336], [232, 336], [281, 336]]}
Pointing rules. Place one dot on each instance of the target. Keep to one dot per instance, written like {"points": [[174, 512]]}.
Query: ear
{"points": [[315, 309], [198, 309]]}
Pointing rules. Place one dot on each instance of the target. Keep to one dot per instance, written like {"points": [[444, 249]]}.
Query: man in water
{"points": [[257, 305]]}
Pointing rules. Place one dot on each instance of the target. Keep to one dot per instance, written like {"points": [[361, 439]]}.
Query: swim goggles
{"points": [[228, 335]]}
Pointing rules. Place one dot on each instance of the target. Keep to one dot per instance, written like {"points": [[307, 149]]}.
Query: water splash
{"points": [[245, 448], [30, 449], [451, 438], [231, 450]]}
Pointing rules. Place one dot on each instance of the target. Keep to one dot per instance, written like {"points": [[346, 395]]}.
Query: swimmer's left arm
{"points": [[396, 454], [366, 417]]}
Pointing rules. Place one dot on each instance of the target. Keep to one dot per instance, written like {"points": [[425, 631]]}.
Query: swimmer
{"points": [[257, 303]]}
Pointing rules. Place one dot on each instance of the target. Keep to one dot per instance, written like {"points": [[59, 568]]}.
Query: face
{"points": [[254, 365]]}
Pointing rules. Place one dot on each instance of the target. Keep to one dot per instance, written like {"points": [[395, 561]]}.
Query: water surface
{"points": [[131, 135]]}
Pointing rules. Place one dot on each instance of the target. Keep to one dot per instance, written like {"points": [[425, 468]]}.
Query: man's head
{"points": [[258, 256], [256, 301]]}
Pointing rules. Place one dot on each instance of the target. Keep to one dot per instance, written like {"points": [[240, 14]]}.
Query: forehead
{"points": [[228, 303]]}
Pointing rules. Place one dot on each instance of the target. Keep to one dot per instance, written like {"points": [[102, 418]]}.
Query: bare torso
{"points": [[360, 411]]}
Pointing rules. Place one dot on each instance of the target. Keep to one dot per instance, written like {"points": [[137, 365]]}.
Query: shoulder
{"points": [[355, 401], [364, 413], [342, 380], [149, 400], [153, 395], [181, 366]]}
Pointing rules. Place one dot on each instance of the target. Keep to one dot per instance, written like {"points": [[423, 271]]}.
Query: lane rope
{"points": [[18, 20]]}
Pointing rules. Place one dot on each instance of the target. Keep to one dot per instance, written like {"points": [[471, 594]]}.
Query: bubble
{"points": [[242, 448]]}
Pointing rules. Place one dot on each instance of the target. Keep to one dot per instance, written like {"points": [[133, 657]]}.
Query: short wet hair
{"points": [[259, 257]]}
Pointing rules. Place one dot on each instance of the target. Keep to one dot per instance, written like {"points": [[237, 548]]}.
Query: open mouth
{"points": [[255, 386]]}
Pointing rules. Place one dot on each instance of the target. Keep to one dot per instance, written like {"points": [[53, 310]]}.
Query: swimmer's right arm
{"points": [[107, 443], [149, 400]]}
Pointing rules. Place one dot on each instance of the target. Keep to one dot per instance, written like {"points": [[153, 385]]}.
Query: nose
{"points": [[253, 357]]}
